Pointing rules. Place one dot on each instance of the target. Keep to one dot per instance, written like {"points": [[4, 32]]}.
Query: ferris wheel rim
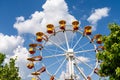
{"points": [[66, 50]]}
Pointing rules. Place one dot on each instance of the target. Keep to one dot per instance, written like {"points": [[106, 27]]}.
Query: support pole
{"points": [[70, 57], [81, 72], [71, 68]]}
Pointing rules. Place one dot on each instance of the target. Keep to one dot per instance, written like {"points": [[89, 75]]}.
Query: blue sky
{"points": [[78, 8], [21, 19]]}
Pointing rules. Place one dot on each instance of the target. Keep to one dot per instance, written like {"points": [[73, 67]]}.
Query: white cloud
{"points": [[11, 46], [9, 43], [20, 19], [97, 15], [65, 75], [22, 54], [82, 59], [53, 11]]}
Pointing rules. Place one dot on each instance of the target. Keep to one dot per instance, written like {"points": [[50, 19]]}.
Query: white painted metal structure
{"points": [[68, 55], [71, 58]]}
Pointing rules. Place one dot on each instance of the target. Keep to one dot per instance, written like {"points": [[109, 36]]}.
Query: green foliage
{"points": [[110, 57], [8, 71], [2, 57], [117, 71]]}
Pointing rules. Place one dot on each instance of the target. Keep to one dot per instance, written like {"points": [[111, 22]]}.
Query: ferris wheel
{"points": [[66, 52]]}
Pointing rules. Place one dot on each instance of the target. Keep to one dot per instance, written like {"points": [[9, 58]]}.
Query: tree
{"points": [[8, 71], [110, 57]]}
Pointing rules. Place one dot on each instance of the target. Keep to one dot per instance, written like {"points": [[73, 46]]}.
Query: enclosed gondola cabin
{"points": [[32, 48], [39, 36], [38, 58], [35, 73], [31, 59], [34, 78], [99, 38], [62, 24], [35, 58], [100, 48], [89, 78], [88, 30], [50, 28], [96, 70], [52, 78], [41, 70], [30, 65], [75, 25]]}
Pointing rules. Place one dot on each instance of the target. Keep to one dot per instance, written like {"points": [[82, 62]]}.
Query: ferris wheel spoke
{"points": [[60, 66], [53, 50], [77, 42], [55, 63], [38, 78], [81, 72], [84, 63], [66, 39], [85, 51], [72, 40], [54, 56], [60, 41], [82, 46], [57, 45]]}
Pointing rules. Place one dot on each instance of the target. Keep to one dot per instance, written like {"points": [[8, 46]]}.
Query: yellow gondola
{"points": [[39, 36], [98, 38], [35, 73], [32, 48], [88, 30], [52, 78], [31, 59], [41, 70], [35, 58], [30, 65], [96, 70], [62, 24], [100, 48], [50, 28], [75, 25], [88, 78], [34, 78]]}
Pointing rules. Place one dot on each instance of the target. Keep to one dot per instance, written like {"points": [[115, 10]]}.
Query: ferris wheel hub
{"points": [[70, 50], [70, 53]]}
